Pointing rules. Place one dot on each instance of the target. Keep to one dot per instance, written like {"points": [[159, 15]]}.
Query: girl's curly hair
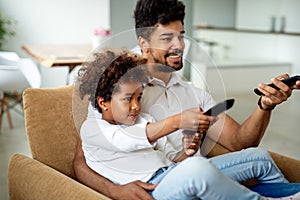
{"points": [[109, 68]]}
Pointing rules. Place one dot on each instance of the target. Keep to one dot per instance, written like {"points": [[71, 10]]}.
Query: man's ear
{"points": [[144, 44]]}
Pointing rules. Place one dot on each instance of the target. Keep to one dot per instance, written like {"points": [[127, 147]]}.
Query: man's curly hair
{"points": [[109, 68], [148, 13]]}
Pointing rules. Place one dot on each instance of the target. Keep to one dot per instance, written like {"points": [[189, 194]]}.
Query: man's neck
{"points": [[163, 76]]}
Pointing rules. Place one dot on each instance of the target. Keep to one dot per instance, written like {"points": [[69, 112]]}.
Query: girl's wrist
{"points": [[175, 121]]}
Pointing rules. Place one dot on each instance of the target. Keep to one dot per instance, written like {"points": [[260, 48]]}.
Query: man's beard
{"points": [[165, 66]]}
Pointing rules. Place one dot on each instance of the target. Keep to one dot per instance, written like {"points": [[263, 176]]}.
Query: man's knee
{"points": [[259, 152]]}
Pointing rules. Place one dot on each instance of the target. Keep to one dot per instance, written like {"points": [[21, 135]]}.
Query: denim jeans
{"points": [[250, 163], [276, 189], [269, 187], [217, 178]]}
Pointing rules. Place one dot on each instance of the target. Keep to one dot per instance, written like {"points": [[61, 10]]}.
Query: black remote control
{"points": [[214, 111], [288, 81], [220, 107]]}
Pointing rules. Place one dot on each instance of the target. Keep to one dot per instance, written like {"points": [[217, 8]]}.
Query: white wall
{"points": [[123, 21], [280, 47], [256, 14], [223, 14], [54, 21]]}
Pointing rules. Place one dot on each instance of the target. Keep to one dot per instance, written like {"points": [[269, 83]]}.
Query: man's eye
{"points": [[167, 39]]}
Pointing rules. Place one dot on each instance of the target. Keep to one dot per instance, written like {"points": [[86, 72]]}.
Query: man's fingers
{"points": [[146, 186]]}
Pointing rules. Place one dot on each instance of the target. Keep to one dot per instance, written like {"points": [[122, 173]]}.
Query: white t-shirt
{"points": [[123, 153]]}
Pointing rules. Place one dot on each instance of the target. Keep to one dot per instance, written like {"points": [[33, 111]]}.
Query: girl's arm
{"points": [[191, 119]]}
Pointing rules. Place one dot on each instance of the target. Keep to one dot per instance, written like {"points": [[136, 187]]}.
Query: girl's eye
{"points": [[127, 99]]}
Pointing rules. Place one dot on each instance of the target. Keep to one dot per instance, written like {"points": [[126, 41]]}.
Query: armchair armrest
{"points": [[288, 166], [31, 179]]}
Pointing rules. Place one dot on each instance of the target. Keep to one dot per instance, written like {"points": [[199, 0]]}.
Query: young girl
{"points": [[124, 145]]}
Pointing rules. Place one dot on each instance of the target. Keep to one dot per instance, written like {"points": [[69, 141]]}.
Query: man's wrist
{"points": [[264, 108], [113, 191]]}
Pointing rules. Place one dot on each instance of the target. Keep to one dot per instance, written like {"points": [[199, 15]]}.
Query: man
{"points": [[163, 43]]}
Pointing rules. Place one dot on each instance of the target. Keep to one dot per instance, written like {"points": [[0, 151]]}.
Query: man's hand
{"points": [[133, 191], [273, 97], [297, 85]]}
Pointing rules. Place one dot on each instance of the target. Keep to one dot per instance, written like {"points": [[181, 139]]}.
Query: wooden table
{"points": [[59, 55]]}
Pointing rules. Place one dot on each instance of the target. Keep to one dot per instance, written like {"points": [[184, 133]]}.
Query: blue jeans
{"points": [[247, 164], [267, 187], [217, 178], [276, 189]]}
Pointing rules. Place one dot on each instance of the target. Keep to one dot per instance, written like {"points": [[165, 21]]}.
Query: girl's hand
{"points": [[194, 119], [191, 143]]}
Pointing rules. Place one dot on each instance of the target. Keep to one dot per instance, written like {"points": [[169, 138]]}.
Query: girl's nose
{"points": [[135, 105]]}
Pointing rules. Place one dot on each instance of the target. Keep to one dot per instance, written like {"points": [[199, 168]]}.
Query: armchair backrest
{"points": [[50, 125]]}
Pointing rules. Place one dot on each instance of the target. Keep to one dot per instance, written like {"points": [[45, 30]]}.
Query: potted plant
{"points": [[5, 29]]}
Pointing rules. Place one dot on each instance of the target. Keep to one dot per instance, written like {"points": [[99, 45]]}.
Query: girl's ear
{"points": [[144, 44], [101, 103]]}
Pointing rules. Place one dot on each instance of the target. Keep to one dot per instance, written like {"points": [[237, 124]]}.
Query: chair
{"points": [[73, 75], [16, 74], [53, 77], [52, 137]]}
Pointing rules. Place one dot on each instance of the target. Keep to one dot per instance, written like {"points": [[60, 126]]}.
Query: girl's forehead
{"points": [[129, 87]]}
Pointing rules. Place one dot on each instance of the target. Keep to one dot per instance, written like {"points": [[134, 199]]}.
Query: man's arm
{"points": [[234, 136], [133, 190]]}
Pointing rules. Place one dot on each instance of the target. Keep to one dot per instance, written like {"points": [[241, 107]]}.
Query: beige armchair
{"points": [[52, 135]]}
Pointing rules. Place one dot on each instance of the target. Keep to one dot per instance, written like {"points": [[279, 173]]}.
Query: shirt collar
{"points": [[175, 80]]}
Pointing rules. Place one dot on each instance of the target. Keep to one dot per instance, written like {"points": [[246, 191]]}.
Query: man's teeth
{"points": [[174, 56]]}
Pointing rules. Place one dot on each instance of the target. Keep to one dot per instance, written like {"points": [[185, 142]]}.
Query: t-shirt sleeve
{"points": [[99, 133]]}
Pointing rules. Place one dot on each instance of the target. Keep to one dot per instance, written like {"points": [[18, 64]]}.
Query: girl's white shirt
{"points": [[123, 153]]}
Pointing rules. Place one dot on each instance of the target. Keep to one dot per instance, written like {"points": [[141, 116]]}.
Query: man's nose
{"points": [[178, 43]]}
